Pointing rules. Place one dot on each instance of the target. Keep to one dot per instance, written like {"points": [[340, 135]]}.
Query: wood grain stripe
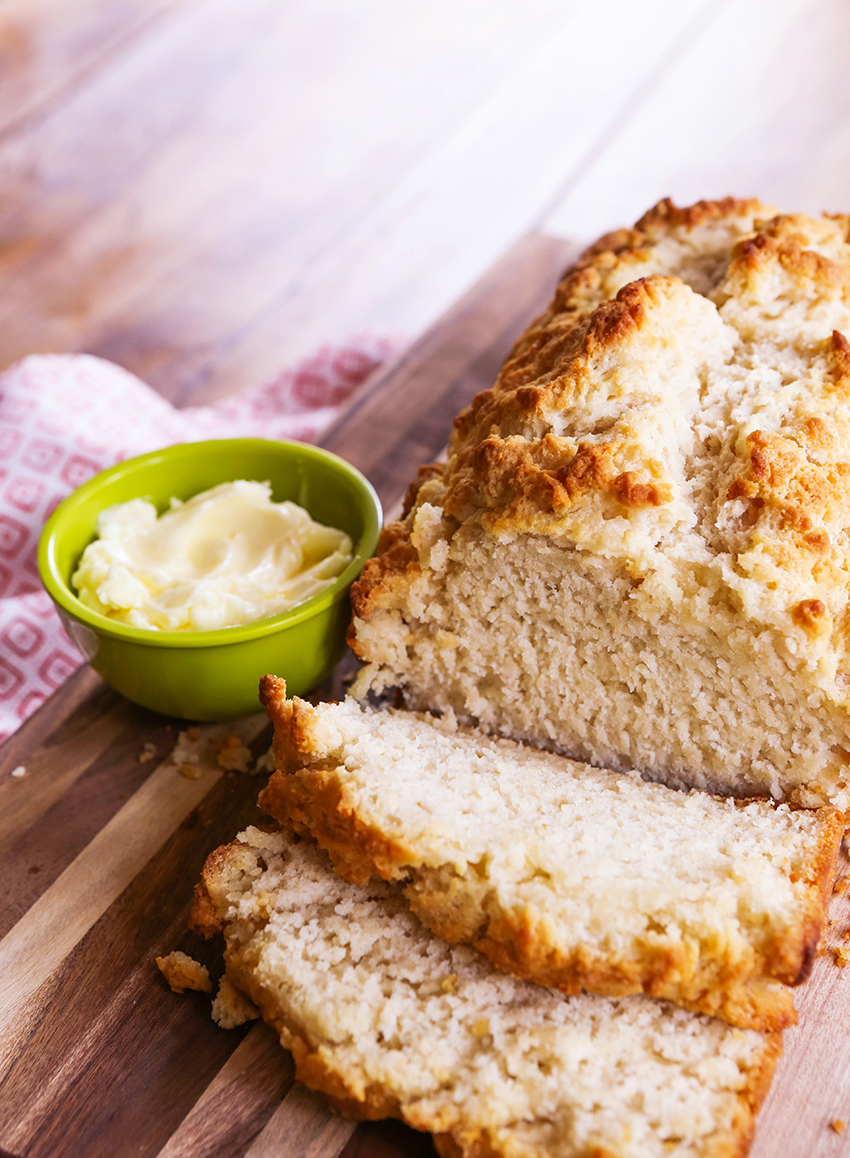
{"points": [[303, 1126], [47, 47], [106, 866], [82, 710], [239, 1100], [49, 843], [123, 1056]]}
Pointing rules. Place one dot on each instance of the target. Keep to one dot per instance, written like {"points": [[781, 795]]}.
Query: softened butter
{"points": [[225, 557]]}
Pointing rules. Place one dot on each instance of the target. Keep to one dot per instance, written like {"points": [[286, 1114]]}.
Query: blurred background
{"points": [[206, 190]]}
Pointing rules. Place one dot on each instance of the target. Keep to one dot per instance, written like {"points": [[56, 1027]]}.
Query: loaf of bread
{"points": [[387, 1020], [562, 874], [638, 550]]}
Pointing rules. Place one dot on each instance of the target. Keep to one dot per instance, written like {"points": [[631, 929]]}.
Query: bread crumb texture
{"points": [[183, 972], [567, 875], [637, 551], [232, 1008], [491, 1065]]}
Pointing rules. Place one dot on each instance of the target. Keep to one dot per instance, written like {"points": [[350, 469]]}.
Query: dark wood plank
{"points": [[66, 715], [44, 847], [388, 1139], [113, 1049], [238, 1102]]}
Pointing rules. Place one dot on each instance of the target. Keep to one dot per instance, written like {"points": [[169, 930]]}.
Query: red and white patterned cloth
{"points": [[64, 417]]}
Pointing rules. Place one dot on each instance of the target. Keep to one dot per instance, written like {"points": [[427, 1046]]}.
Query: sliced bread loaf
{"points": [[638, 550], [563, 874], [387, 1020]]}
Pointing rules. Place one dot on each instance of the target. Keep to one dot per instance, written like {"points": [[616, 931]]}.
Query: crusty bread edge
{"points": [[315, 1069], [306, 795]]}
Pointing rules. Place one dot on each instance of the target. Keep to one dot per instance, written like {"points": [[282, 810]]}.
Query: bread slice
{"points": [[638, 551], [563, 874], [387, 1020]]}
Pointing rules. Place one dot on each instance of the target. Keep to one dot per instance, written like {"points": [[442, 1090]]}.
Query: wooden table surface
{"points": [[203, 191]]}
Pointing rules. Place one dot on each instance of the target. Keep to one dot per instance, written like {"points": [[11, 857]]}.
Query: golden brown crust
{"points": [[203, 917], [783, 242], [792, 480], [314, 1063], [666, 214], [425, 474], [496, 468], [314, 1069], [323, 813], [396, 560], [520, 942], [183, 972], [737, 1145], [224, 863], [512, 468], [307, 795]]}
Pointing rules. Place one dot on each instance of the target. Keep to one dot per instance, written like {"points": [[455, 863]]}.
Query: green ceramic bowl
{"points": [[213, 675]]}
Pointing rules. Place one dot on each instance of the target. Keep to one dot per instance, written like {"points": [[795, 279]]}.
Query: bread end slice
{"points": [[387, 1020]]}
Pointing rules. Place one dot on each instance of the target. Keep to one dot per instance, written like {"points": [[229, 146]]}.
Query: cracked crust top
{"points": [[685, 398]]}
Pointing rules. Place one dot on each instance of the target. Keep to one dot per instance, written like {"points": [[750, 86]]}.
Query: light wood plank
{"points": [[262, 190], [758, 105], [302, 1127], [238, 1102], [415, 249], [49, 46], [811, 1087]]}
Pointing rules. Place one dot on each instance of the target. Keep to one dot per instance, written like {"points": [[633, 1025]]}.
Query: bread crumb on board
{"points": [[232, 1008], [265, 763], [183, 972], [147, 753], [842, 956], [18, 773], [838, 1125], [206, 748], [233, 755], [186, 750]]}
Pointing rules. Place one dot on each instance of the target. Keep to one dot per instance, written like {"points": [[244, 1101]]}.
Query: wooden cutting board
{"points": [[100, 849]]}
